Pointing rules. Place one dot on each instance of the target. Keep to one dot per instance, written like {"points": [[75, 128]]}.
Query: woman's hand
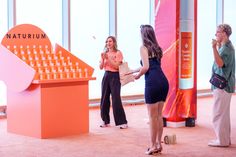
{"points": [[129, 72], [137, 76], [103, 55], [214, 43], [103, 60]]}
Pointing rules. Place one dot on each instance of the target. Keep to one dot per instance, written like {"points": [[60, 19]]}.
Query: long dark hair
{"points": [[150, 42], [114, 41]]}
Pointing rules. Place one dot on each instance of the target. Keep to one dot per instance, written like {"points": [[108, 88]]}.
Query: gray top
{"points": [[227, 54]]}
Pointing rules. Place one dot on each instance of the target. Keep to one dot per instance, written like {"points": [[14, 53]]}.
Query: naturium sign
{"points": [[26, 36]]}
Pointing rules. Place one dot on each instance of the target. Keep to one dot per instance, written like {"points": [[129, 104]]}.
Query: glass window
{"points": [[44, 14], [89, 30], [229, 18], [3, 31], [128, 36], [3, 17], [206, 32]]}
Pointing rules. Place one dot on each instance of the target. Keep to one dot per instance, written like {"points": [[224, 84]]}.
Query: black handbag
{"points": [[218, 81]]}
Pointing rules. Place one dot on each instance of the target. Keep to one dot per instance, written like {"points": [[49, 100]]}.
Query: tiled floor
{"points": [[131, 142]]}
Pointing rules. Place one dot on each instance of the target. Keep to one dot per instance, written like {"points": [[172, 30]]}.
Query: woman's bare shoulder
{"points": [[143, 48], [119, 51]]}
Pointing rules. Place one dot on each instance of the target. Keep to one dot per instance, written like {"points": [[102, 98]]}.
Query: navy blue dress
{"points": [[156, 83]]}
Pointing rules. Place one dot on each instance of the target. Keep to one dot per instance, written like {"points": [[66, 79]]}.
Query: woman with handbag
{"points": [[223, 67], [111, 58]]}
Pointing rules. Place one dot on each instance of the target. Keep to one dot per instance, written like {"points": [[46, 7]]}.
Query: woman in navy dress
{"points": [[156, 85]]}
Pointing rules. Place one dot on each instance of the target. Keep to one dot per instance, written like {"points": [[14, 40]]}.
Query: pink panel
{"points": [[14, 72]]}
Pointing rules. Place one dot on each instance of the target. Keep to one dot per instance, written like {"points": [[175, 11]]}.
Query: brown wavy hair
{"points": [[114, 41], [150, 42]]}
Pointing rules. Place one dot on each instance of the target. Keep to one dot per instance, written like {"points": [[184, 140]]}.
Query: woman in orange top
{"points": [[111, 58]]}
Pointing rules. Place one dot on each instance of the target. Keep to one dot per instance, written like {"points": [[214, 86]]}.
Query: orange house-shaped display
{"points": [[47, 90]]}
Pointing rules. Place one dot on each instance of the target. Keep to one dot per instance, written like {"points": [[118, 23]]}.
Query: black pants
{"points": [[111, 86]]}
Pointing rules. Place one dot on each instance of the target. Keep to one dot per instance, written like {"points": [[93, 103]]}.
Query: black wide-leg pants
{"points": [[111, 86]]}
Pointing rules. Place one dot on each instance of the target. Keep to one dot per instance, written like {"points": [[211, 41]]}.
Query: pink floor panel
{"points": [[131, 142]]}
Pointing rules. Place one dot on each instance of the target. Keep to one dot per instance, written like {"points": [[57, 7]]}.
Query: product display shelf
{"points": [[51, 65]]}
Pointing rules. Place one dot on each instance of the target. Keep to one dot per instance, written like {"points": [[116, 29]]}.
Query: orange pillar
{"points": [[177, 35]]}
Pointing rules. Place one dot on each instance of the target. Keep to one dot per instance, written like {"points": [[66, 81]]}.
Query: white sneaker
{"points": [[216, 143], [103, 125], [123, 126]]}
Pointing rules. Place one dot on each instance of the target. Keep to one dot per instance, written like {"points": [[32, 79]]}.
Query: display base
{"points": [[190, 122], [164, 122], [175, 124], [49, 110]]}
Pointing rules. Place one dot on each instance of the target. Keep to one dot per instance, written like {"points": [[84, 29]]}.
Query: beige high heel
{"points": [[151, 151], [159, 148]]}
